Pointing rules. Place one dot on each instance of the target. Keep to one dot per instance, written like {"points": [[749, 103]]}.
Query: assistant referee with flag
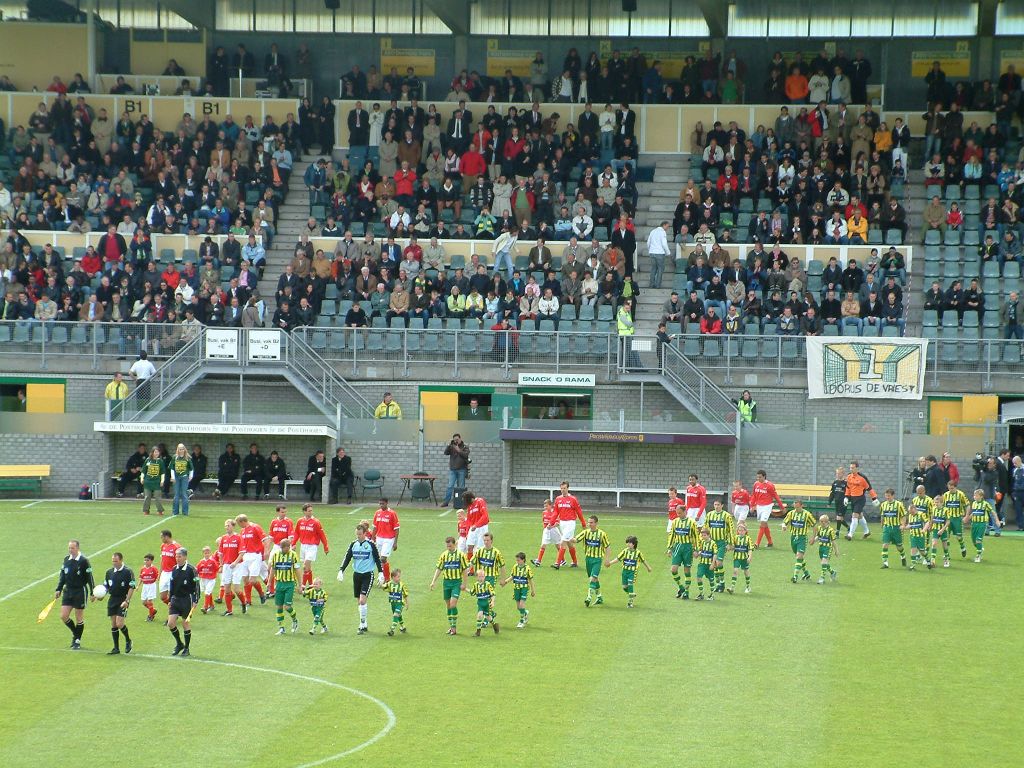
{"points": [[74, 587], [184, 594]]}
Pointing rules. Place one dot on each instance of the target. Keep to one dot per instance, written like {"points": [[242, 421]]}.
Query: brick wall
{"points": [[75, 460]]}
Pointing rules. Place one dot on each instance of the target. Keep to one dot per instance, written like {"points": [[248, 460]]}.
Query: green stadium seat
{"points": [[952, 237], [929, 318], [932, 237]]}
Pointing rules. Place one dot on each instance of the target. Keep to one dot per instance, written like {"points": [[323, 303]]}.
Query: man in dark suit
{"points": [[624, 239], [625, 122], [457, 135], [533, 119], [358, 136], [316, 468], [341, 476], [474, 412], [587, 123]]}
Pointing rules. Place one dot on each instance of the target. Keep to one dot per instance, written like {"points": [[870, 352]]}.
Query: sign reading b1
{"points": [[264, 344]]}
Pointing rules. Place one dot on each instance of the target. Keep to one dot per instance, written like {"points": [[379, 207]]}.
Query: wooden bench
{"points": [[23, 477], [287, 483], [551, 490]]}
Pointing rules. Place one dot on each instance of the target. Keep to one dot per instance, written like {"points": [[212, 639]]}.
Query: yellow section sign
{"points": [[499, 59], [1006, 58], [955, 63], [422, 60]]}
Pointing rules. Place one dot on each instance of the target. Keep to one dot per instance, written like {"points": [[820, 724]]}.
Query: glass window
{"points": [[234, 16], [618, 22], [1010, 17], [530, 17], [395, 17], [688, 21], [873, 18], [954, 21], [273, 15], [829, 18], [748, 19], [569, 18], [651, 20], [311, 16], [427, 22], [489, 18]]}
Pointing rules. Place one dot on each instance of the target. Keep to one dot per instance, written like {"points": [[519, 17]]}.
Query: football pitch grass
{"points": [[881, 667]]}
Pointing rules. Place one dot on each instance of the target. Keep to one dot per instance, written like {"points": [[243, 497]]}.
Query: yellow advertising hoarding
{"points": [[500, 59], [1016, 58], [422, 60], [955, 63]]}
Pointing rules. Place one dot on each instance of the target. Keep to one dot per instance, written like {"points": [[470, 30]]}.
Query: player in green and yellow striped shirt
{"points": [[828, 544], [801, 523], [595, 544], [918, 521], [522, 585], [398, 597], [682, 537], [484, 592], [956, 504], [489, 559], [893, 515], [707, 563], [284, 567], [453, 565], [940, 531], [722, 527], [980, 514], [317, 603], [742, 550], [630, 557]]}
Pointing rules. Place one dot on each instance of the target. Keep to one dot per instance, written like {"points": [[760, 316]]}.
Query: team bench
{"points": [[551, 490], [23, 477], [815, 497], [287, 483]]}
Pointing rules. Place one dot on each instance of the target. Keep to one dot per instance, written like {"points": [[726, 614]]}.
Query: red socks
{"points": [[764, 532], [149, 606], [228, 599], [259, 589], [248, 594], [208, 602], [572, 554], [387, 571], [307, 578], [165, 599], [540, 555], [561, 556]]}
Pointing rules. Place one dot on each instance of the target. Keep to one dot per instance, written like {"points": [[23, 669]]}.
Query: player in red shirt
{"points": [[385, 531], [310, 535], [206, 570], [569, 511], [696, 500], [281, 527], [229, 548], [676, 507], [168, 551], [551, 534], [148, 577], [740, 502], [479, 519], [762, 494], [462, 526], [252, 558]]}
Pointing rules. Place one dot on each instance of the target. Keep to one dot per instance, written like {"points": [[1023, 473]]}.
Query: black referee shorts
{"points": [[180, 606], [857, 505], [362, 583], [73, 598], [114, 607]]}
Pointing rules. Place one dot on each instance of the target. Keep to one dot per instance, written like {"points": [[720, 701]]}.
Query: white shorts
{"points": [[476, 537], [694, 513], [274, 550], [668, 525], [231, 574], [461, 544], [165, 580], [764, 512], [308, 552], [385, 547], [148, 592], [252, 564], [567, 530], [264, 570], [740, 512], [551, 536], [207, 585]]}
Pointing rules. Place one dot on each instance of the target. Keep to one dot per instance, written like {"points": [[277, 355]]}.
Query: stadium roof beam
{"points": [[716, 14], [200, 15], [454, 14], [987, 17]]}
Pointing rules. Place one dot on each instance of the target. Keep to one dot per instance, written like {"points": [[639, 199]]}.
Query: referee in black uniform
{"points": [[73, 588], [120, 584], [184, 594]]}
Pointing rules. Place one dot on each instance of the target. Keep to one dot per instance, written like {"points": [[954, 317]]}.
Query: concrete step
{"points": [[671, 175]]}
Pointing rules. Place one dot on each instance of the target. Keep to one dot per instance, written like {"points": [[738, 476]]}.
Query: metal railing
{"points": [[451, 349], [337, 393], [961, 359], [714, 405], [152, 392]]}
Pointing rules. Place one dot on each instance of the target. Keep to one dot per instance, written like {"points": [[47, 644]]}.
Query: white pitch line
{"points": [[388, 712], [26, 506], [447, 511], [357, 509], [98, 552]]}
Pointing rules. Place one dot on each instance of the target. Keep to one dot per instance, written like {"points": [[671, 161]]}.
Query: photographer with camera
{"points": [[986, 475], [458, 467]]}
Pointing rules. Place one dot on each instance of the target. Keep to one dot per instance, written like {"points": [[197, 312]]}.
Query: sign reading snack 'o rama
{"points": [[889, 369], [422, 60]]}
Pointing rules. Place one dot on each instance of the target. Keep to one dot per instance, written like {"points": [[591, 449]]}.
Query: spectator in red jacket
{"points": [[711, 323]]}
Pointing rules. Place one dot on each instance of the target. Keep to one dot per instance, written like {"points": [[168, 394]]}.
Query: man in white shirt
{"points": [[142, 371], [582, 225], [503, 249], [548, 307], [658, 251]]}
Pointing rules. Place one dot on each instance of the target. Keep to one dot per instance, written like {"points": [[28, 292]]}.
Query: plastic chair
{"points": [[372, 480]]}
